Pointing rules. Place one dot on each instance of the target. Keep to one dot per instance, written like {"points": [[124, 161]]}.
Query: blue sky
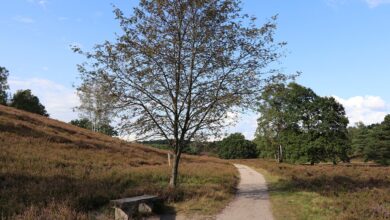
{"points": [[341, 46]]}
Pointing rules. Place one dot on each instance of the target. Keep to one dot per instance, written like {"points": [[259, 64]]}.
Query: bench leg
{"points": [[125, 214], [146, 207], [121, 215]]}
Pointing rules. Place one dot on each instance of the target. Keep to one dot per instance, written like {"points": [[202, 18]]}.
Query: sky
{"points": [[342, 48]]}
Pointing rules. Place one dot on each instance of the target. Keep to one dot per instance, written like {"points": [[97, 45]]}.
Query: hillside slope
{"points": [[50, 168]]}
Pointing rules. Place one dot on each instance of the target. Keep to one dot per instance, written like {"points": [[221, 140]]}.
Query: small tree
{"points": [[82, 123], [3, 85], [87, 124], [235, 146], [273, 120], [95, 105], [180, 66], [25, 100]]}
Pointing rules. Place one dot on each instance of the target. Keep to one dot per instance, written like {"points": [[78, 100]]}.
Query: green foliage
{"points": [[326, 192], [194, 147], [159, 143], [297, 125], [378, 148], [359, 136], [102, 128], [25, 100], [372, 142], [82, 123], [236, 147], [3, 85], [108, 130]]}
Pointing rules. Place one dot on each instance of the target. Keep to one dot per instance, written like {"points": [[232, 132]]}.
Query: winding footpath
{"points": [[252, 200]]}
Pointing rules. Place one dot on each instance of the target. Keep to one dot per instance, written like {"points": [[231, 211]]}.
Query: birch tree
{"points": [[3, 85], [95, 104]]}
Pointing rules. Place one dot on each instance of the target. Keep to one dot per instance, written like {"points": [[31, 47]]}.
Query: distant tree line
{"points": [[298, 126], [94, 115], [22, 99], [371, 142], [234, 146], [193, 147], [102, 128]]}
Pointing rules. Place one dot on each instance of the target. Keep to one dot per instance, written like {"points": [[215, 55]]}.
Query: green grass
{"points": [[326, 191], [290, 204]]}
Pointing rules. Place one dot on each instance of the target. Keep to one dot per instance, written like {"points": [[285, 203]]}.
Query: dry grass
{"points": [[327, 191], [49, 168]]}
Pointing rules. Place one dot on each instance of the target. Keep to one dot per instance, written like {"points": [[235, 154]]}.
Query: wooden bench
{"points": [[126, 208]]}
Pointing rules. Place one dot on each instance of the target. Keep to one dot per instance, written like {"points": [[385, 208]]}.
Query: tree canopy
{"points": [[87, 124], [298, 125], [25, 100], [95, 107], [372, 142], [235, 146], [179, 67]]}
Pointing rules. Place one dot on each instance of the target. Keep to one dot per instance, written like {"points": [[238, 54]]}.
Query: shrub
{"points": [[25, 100], [236, 147]]}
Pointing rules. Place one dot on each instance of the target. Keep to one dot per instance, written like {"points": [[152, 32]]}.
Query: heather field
{"points": [[352, 191], [53, 170]]}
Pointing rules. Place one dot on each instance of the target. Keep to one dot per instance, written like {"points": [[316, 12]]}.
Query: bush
{"points": [[25, 100], [236, 147]]}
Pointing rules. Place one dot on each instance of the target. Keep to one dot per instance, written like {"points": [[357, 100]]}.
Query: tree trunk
{"points": [[280, 154], [175, 171]]}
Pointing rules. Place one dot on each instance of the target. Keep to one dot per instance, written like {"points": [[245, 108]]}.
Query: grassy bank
{"points": [[326, 191], [49, 168]]}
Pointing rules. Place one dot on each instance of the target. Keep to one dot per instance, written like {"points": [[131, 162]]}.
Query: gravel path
{"points": [[251, 201]]}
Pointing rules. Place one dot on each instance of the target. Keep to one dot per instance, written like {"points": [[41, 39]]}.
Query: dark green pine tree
{"points": [[378, 148]]}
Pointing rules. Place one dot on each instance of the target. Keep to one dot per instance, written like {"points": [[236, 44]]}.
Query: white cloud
{"points": [[58, 99], [367, 109], [25, 20], [42, 3], [376, 3], [246, 124]]}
